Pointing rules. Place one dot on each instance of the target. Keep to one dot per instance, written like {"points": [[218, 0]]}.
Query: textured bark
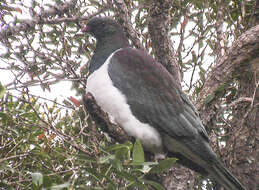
{"points": [[159, 27], [243, 50], [240, 65], [178, 178], [124, 19], [219, 30], [102, 119], [244, 142]]}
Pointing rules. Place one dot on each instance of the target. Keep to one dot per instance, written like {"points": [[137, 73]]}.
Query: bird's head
{"points": [[102, 27]]}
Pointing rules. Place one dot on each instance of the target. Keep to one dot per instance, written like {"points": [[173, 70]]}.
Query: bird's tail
{"points": [[224, 177]]}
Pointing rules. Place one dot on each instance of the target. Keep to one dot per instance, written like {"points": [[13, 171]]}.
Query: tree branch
{"points": [[103, 120], [159, 27], [124, 17], [29, 25], [13, 157], [243, 51]]}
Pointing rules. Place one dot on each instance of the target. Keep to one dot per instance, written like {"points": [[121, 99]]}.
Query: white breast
{"points": [[114, 103]]}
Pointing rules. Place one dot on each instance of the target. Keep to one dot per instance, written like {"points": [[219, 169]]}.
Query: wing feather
{"points": [[153, 96]]}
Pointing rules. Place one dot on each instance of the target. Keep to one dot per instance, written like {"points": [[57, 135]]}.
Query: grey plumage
{"points": [[155, 99]]}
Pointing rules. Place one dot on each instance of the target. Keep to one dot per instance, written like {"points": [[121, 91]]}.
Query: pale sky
{"points": [[62, 89]]}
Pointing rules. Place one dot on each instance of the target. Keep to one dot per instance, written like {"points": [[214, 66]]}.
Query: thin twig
{"points": [[13, 157]]}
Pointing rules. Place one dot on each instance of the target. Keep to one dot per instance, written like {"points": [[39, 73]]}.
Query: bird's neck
{"points": [[104, 48]]}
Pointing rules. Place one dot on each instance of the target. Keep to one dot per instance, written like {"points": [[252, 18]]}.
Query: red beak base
{"points": [[86, 29]]}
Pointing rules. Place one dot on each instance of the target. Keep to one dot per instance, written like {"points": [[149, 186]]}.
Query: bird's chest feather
{"points": [[114, 102]]}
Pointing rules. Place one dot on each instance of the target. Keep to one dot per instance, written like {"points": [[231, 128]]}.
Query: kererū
{"points": [[144, 99]]}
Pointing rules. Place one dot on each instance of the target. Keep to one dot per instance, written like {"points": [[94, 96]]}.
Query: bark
{"points": [[244, 50], [239, 66], [244, 142], [125, 20], [159, 27], [102, 119], [219, 30]]}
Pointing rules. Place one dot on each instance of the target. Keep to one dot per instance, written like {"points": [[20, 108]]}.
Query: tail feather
{"points": [[224, 177]]}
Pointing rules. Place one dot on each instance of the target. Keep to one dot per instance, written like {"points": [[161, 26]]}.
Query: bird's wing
{"points": [[155, 98], [153, 95]]}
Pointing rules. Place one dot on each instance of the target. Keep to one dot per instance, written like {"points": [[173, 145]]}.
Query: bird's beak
{"points": [[86, 29]]}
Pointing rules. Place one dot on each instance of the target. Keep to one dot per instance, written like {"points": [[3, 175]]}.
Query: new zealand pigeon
{"points": [[144, 99]]}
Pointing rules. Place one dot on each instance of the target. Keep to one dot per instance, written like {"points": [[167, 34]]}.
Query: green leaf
{"points": [[221, 88], [154, 184], [208, 99], [85, 158], [163, 166], [127, 176], [123, 153], [117, 147], [47, 181], [106, 159], [61, 186], [111, 186], [37, 179], [202, 74], [131, 178], [138, 152], [143, 163], [2, 90], [194, 57], [116, 164], [5, 118], [201, 43]]}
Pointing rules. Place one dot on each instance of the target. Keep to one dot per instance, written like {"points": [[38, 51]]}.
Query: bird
{"points": [[145, 100]]}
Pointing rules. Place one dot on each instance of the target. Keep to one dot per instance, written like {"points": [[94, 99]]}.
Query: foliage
{"points": [[48, 144], [36, 153]]}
